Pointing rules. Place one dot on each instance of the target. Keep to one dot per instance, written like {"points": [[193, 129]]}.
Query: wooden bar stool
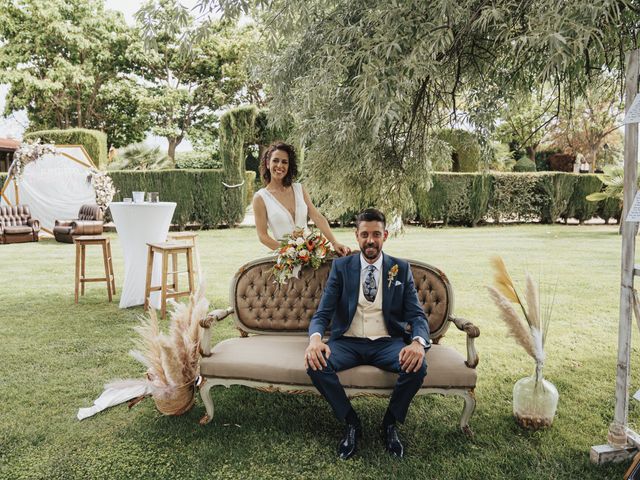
{"points": [[81, 278], [168, 290], [188, 237]]}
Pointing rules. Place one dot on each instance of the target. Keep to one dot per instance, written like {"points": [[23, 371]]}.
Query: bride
{"points": [[283, 205]]}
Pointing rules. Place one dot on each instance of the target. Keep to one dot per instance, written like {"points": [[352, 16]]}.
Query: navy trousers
{"points": [[349, 352]]}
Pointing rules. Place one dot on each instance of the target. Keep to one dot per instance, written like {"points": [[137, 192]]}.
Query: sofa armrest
{"points": [[214, 316], [35, 224], [472, 333], [87, 227]]}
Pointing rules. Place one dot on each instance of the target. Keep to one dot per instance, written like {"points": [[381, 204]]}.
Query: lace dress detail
{"points": [[279, 219]]}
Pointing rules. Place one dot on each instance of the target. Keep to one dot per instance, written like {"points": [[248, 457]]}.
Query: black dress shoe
{"points": [[392, 441], [349, 443]]}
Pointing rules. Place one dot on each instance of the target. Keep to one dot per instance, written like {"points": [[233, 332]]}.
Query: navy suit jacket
{"points": [[400, 306]]}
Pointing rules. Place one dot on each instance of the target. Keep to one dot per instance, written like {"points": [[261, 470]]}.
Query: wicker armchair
{"points": [[16, 225], [90, 221]]}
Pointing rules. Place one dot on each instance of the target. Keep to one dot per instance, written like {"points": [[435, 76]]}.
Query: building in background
{"points": [[7, 147]]}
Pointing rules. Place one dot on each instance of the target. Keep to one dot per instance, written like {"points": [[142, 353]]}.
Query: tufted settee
{"points": [[273, 322], [89, 222], [16, 225]]}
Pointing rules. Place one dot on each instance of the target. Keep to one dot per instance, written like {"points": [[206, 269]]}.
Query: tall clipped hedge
{"points": [[466, 149], [198, 193], [454, 198], [236, 127], [94, 141], [468, 198]]}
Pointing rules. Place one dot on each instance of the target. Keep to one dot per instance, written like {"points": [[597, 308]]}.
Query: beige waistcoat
{"points": [[368, 321]]}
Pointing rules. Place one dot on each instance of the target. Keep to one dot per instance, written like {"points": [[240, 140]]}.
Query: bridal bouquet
{"points": [[304, 247]]}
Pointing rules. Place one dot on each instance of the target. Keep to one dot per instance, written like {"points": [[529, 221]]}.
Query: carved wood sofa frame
{"points": [[276, 317]]}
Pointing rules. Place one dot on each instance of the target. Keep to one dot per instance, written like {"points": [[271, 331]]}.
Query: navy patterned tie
{"points": [[369, 287]]}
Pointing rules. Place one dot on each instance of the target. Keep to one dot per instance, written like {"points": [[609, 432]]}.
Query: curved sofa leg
{"points": [[469, 407], [207, 400]]}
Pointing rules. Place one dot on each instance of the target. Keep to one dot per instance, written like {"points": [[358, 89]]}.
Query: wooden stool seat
{"points": [[80, 278], [189, 237], [168, 290]]}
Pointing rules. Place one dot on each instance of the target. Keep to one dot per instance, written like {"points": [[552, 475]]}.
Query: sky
{"points": [[15, 125]]}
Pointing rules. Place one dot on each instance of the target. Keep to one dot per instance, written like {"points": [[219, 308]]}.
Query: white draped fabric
{"points": [[138, 224], [54, 187]]}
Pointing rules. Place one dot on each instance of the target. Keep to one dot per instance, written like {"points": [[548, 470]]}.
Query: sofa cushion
{"points": [[63, 229], [280, 359], [17, 229]]}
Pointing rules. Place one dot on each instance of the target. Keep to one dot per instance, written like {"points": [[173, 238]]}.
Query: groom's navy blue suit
{"points": [[404, 319]]}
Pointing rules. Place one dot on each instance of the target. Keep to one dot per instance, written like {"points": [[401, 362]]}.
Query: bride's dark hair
{"points": [[292, 172]]}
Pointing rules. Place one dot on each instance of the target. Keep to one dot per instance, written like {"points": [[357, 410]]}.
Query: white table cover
{"points": [[138, 224]]}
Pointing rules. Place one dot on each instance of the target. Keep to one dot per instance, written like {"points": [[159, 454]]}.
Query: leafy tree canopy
{"points": [[63, 60], [366, 81], [186, 88]]}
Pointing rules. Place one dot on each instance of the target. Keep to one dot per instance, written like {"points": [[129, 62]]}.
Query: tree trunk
{"points": [[173, 143], [591, 158], [531, 151]]}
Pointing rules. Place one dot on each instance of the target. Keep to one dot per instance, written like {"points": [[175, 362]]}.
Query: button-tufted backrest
{"points": [[15, 215], [90, 212], [263, 306]]}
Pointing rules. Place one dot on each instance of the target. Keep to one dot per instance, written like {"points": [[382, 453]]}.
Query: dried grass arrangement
{"points": [[534, 398], [531, 332], [171, 359]]}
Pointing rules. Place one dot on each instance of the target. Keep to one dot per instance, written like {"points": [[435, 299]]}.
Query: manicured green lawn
{"points": [[55, 356]]}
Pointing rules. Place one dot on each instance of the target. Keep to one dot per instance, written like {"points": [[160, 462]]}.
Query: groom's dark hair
{"points": [[292, 172], [371, 215]]}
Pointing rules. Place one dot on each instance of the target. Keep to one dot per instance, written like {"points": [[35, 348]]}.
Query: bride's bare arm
{"points": [[260, 214], [323, 225]]}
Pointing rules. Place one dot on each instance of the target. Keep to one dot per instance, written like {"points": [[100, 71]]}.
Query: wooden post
{"points": [[629, 231], [602, 453]]}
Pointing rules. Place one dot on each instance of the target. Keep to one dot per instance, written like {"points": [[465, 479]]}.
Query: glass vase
{"points": [[535, 401]]}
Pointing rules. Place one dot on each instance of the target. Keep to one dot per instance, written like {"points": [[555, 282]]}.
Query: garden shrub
{"points": [[469, 198], [94, 141], [515, 197], [250, 181], [524, 164], [466, 149], [555, 190], [236, 128], [579, 207], [197, 160], [610, 208], [480, 193], [139, 156], [199, 194]]}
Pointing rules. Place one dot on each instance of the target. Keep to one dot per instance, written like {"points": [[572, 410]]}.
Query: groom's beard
{"points": [[371, 252]]}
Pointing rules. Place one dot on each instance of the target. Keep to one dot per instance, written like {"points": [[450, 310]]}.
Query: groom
{"points": [[371, 301]]}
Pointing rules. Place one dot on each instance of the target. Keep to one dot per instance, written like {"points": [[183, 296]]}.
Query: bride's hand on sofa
{"points": [[316, 354], [341, 250]]}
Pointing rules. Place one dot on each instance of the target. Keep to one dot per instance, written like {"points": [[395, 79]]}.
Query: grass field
{"points": [[55, 356]]}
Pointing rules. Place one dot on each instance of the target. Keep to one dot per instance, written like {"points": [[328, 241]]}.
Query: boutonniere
{"points": [[393, 271]]}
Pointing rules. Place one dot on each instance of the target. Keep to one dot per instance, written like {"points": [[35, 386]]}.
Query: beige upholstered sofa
{"points": [[273, 322]]}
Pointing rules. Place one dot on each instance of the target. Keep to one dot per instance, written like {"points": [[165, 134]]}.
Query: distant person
{"points": [[584, 166], [283, 205], [113, 153]]}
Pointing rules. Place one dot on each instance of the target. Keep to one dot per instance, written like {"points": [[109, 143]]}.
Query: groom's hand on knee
{"points": [[316, 353], [411, 357]]}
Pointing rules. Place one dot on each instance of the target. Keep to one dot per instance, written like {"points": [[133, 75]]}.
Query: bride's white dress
{"points": [[279, 219]]}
